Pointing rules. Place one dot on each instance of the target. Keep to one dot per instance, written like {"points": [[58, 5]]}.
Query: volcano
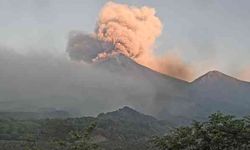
{"points": [[179, 101], [87, 90]]}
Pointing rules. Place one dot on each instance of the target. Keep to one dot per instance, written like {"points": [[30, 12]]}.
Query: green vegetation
{"points": [[220, 132], [53, 134], [76, 140], [80, 140], [124, 129], [120, 130]]}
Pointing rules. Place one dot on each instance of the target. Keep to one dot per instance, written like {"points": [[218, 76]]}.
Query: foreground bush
{"points": [[220, 132]]}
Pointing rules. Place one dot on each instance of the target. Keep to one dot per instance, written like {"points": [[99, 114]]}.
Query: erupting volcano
{"points": [[131, 31]]}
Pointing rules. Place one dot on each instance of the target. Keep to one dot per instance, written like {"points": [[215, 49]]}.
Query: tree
{"points": [[78, 140], [30, 143], [219, 132]]}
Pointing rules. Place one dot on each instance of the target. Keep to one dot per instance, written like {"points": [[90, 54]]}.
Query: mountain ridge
{"points": [[123, 60], [181, 101], [128, 114], [110, 132], [217, 75], [128, 63], [120, 81]]}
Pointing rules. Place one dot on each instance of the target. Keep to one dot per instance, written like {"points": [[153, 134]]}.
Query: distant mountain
{"points": [[216, 91], [166, 88], [122, 65], [120, 81], [125, 66], [210, 93], [179, 101], [127, 114]]}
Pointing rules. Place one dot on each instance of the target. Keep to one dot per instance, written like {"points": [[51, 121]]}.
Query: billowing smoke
{"points": [[85, 47], [131, 30], [128, 30], [170, 64]]}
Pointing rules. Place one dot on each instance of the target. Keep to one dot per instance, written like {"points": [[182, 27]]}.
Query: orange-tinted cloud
{"points": [[131, 31]]}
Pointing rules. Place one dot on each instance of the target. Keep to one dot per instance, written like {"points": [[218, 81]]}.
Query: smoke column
{"points": [[131, 31]]}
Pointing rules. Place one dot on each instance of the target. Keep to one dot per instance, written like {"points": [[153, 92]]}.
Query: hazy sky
{"points": [[213, 34]]}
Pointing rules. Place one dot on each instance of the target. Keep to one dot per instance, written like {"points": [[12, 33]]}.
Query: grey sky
{"points": [[212, 32]]}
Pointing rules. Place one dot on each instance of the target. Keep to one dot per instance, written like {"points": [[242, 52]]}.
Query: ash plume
{"points": [[131, 31], [85, 47], [170, 64]]}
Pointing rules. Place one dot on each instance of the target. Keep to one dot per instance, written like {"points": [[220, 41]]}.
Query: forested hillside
{"points": [[122, 129]]}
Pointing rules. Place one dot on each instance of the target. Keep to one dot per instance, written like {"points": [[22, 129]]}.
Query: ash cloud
{"points": [[172, 65], [86, 47], [131, 31]]}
